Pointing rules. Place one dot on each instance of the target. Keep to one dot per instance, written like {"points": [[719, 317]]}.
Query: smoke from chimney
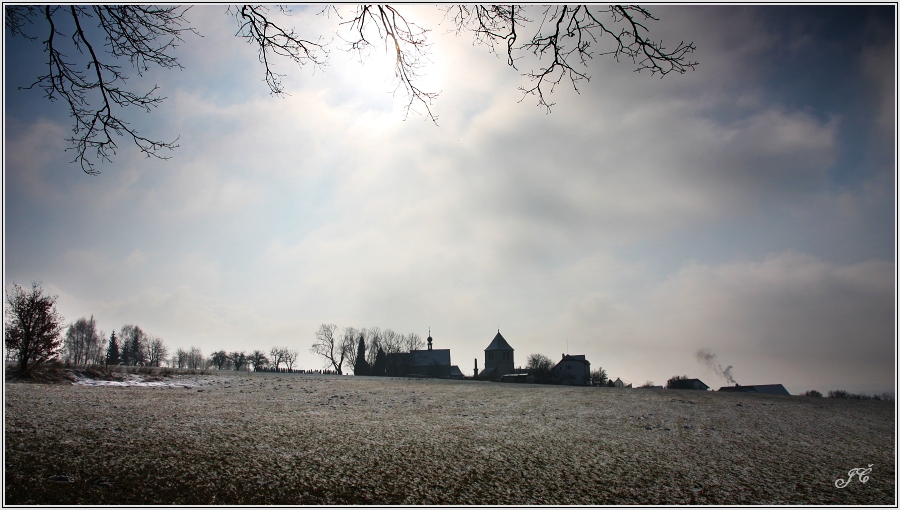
{"points": [[707, 357]]}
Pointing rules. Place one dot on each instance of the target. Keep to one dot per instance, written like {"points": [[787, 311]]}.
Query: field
{"points": [[307, 439]]}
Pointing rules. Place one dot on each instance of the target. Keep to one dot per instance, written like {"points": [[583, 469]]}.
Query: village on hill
{"points": [[499, 365]]}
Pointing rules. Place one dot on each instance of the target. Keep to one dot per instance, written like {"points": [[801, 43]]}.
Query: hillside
{"points": [[301, 439]]}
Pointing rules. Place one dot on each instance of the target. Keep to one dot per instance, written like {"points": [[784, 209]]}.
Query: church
{"points": [[423, 363], [498, 360]]}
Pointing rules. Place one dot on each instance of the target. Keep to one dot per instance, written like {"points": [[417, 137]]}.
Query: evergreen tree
{"points": [[133, 345], [380, 365], [137, 351], [361, 367], [112, 352], [127, 356]]}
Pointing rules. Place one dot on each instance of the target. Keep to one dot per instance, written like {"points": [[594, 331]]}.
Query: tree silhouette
{"points": [[86, 46], [32, 326], [112, 351], [361, 367]]}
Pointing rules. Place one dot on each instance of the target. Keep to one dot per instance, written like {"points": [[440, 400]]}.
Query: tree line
{"points": [[366, 351], [36, 333]]}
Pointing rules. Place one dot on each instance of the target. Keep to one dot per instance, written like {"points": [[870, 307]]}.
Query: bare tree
{"points": [[181, 358], [374, 342], [32, 326], [353, 335], [86, 44], [277, 354], [329, 347], [539, 364], [599, 377], [97, 353], [195, 359], [82, 342], [156, 351], [290, 357], [412, 342]]}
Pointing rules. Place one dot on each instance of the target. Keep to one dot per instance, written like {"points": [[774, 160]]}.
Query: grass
{"points": [[304, 439]]}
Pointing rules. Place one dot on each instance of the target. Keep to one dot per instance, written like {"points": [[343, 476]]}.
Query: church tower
{"points": [[499, 357]]}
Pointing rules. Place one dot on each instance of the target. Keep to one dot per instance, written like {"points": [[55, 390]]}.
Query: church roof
{"points": [[499, 343], [432, 357]]}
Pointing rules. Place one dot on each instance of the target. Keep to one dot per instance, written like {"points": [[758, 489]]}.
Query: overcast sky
{"points": [[746, 207]]}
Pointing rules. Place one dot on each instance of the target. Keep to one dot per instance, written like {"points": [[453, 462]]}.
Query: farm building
{"points": [[688, 384], [619, 383], [573, 369], [771, 389]]}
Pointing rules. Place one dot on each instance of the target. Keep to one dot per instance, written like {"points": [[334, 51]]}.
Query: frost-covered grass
{"points": [[306, 439]]}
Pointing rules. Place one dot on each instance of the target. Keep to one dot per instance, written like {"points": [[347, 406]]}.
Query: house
{"points": [[498, 359], [688, 384], [573, 369], [619, 383], [771, 389]]}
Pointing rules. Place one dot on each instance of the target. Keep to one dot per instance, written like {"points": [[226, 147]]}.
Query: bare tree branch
{"points": [[406, 40], [258, 29], [92, 84], [566, 36], [489, 24], [96, 98]]}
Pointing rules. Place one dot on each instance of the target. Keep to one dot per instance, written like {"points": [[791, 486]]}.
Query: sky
{"points": [[745, 208]]}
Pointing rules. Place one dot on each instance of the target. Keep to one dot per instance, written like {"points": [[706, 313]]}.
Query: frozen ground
{"points": [[306, 439]]}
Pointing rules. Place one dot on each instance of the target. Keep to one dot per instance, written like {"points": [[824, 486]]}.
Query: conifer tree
{"points": [[112, 352], [380, 366], [361, 367]]}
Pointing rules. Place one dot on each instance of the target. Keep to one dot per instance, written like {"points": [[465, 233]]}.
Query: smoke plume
{"points": [[708, 358]]}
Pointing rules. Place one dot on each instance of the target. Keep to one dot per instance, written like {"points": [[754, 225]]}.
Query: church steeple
{"points": [[429, 338]]}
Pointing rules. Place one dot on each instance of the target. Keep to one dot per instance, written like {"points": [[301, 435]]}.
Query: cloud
{"points": [[633, 221]]}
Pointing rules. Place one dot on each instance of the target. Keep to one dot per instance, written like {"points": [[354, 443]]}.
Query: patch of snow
{"points": [[138, 381]]}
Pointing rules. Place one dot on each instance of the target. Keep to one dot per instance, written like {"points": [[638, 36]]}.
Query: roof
{"points": [[578, 358], [689, 384], [499, 343], [771, 389], [487, 373], [432, 357]]}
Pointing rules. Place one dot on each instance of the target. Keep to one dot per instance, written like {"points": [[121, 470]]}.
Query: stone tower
{"points": [[499, 356]]}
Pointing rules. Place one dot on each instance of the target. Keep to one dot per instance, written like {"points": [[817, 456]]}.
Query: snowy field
{"points": [[308, 439]]}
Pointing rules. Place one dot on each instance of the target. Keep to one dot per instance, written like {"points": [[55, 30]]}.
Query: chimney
{"points": [[476, 368]]}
